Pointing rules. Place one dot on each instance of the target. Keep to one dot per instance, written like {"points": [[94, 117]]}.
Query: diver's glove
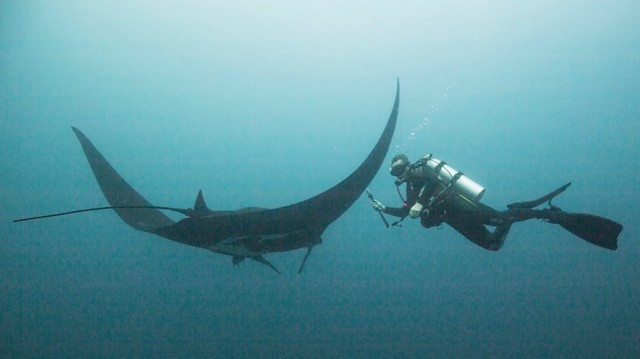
{"points": [[415, 211], [378, 206]]}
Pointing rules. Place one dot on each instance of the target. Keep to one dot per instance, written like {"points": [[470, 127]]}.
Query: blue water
{"points": [[269, 103]]}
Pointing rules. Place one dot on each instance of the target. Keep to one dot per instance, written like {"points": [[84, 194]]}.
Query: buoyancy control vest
{"points": [[451, 178]]}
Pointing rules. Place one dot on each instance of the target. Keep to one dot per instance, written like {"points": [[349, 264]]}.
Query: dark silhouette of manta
{"points": [[245, 233]]}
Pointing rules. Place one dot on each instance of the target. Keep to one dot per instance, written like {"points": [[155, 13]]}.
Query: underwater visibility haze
{"points": [[268, 105]]}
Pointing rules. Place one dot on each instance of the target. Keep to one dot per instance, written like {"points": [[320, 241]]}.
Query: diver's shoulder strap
{"points": [[422, 161]]}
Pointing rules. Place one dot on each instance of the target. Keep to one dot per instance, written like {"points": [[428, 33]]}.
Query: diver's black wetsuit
{"points": [[445, 203], [466, 216]]}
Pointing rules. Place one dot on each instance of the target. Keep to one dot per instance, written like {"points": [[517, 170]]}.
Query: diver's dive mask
{"points": [[399, 165], [398, 169]]}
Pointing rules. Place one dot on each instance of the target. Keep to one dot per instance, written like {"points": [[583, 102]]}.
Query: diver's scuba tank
{"points": [[450, 177]]}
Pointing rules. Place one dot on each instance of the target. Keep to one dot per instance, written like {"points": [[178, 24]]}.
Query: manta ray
{"points": [[245, 233]]}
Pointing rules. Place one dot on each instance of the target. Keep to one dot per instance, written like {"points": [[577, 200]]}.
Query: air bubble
{"points": [[433, 108]]}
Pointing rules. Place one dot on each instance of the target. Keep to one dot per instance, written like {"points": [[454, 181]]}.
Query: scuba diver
{"points": [[438, 193]]}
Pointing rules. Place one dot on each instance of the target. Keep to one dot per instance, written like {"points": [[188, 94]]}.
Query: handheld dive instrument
{"points": [[384, 220]]}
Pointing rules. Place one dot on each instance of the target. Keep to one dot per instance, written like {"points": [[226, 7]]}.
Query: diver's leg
{"points": [[471, 224], [477, 233], [499, 235], [493, 217]]}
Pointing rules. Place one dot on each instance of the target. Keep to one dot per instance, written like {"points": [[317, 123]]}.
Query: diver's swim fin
{"points": [[539, 201], [594, 229]]}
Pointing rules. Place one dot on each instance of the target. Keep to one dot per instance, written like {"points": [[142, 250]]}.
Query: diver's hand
{"points": [[415, 210], [378, 206]]}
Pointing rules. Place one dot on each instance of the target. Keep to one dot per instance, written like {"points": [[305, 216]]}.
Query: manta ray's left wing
{"points": [[119, 193]]}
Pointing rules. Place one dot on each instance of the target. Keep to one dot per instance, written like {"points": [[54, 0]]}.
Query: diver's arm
{"points": [[425, 194], [406, 206], [394, 211], [397, 211]]}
